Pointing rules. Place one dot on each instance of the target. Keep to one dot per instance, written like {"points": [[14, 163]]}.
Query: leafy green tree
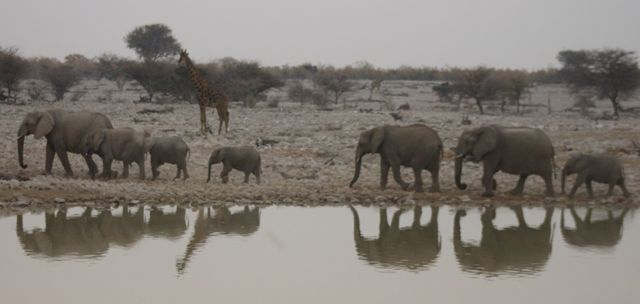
{"points": [[152, 41]]}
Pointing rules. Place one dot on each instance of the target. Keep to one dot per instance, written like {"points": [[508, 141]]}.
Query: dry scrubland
{"points": [[313, 161]]}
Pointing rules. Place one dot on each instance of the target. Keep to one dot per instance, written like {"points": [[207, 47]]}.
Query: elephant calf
{"points": [[245, 159], [171, 150], [593, 167], [125, 144]]}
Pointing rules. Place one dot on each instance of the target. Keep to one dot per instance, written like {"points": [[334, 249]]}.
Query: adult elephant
{"points": [[64, 236], [416, 146], [601, 233], [413, 248], [520, 249], [242, 223], [64, 132], [514, 150]]}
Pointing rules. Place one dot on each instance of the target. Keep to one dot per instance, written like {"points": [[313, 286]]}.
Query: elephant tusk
{"points": [[461, 155]]}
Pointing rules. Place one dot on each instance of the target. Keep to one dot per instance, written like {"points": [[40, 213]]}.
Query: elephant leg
{"points": [[383, 226], [610, 190], [623, 187], [185, 173], [220, 124], [246, 177], [384, 173], [140, 163], [257, 175], [522, 223], [106, 167], [224, 175], [417, 214], [178, 171], [154, 168], [125, 169], [489, 169], [579, 181], [548, 182], [48, 164], [435, 178], [398, 177], [589, 189], [417, 173], [64, 159], [93, 168], [587, 218], [520, 186]]}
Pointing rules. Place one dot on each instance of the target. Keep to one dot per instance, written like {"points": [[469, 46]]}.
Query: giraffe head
{"points": [[183, 56]]}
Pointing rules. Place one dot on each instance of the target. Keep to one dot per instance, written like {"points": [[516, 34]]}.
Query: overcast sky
{"points": [[464, 33]]}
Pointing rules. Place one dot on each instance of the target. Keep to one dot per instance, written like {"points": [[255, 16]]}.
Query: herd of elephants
{"points": [[522, 248], [519, 151]]}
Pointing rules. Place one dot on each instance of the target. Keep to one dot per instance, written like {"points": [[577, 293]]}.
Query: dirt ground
{"points": [[312, 163]]}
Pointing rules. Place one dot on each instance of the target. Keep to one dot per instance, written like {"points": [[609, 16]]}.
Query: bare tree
{"points": [[333, 81], [611, 74]]}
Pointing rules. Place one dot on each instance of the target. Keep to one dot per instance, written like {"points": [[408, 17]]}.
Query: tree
{"points": [[62, 76], [443, 91], [333, 81], [611, 74], [12, 69], [85, 68], [478, 84], [154, 77], [152, 41]]}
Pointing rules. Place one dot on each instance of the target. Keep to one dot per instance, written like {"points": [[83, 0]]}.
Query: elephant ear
{"points": [[44, 126], [220, 154], [96, 140], [487, 141], [377, 137]]}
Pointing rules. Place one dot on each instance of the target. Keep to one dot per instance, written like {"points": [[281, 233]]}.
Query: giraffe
{"points": [[208, 96], [375, 86]]}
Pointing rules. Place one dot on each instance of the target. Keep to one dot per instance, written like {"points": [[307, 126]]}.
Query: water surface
{"points": [[320, 255]]}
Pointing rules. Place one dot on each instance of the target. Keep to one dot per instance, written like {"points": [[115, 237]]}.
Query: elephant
{"points": [[90, 236], [63, 131], [514, 150], [587, 233], [593, 167], [520, 249], [412, 248], [125, 144], [171, 150], [416, 146], [242, 223], [245, 159]]}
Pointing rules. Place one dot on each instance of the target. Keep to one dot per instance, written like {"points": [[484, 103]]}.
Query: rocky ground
{"points": [[312, 163]]}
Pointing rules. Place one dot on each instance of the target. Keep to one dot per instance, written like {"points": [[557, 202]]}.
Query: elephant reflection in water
{"points": [[242, 223], [88, 235], [520, 249], [600, 233], [413, 248]]}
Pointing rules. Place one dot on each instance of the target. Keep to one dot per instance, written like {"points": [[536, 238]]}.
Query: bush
{"points": [[298, 93], [241, 79], [154, 77]]}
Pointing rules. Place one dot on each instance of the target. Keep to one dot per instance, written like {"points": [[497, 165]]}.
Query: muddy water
{"points": [[320, 255]]}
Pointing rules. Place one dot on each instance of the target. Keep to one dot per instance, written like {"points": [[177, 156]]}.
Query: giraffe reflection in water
{"points": [[587, 233], [520, 249], [90, 236], [223, 221], [415, 247]]}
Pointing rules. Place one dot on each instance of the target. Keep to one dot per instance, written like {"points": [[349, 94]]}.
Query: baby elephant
{"points": [[592, 167], [245, 159], [170, 150], [125, 144]]}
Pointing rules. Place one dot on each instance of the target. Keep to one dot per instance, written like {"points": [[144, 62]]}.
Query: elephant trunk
{"points": [[458, 173], [358, 163], [209, 170], [21, 152]]}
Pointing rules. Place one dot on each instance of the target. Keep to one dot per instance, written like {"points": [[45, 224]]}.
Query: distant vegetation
{"points": [[609, 74]]}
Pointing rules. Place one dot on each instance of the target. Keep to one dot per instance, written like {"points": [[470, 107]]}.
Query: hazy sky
{"points": [[502, 33]]}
